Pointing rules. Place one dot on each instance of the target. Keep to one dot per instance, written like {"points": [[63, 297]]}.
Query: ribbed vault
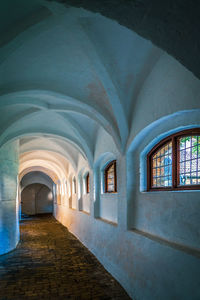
{"points": [[63, 74]]}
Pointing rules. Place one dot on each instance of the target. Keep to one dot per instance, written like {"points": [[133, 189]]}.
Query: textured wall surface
{"points": [[85, 203], [154, 249], [172, 25], [9, 221]]}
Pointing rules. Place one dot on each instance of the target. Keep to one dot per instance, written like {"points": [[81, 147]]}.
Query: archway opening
{"points": [[37, 194], [36, 199]]}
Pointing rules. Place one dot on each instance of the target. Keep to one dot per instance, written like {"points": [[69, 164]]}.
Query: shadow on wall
{"points": [[36, 199]]}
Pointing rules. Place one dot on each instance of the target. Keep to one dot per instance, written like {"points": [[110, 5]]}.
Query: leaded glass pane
{"points": [[162, 166], [198, 177], [189, 160], [111, 178]]}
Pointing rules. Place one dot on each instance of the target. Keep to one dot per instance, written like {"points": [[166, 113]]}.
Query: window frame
{"points": [[113, 162], [174, 138], [87, 183]]}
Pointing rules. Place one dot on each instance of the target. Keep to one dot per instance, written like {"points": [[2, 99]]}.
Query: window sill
{"points": [[180, 247], [111, 193], [169, 191], [72, 208], [107, 221], [85, 212]]}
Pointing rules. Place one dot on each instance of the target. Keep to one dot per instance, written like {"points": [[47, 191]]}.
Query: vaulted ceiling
{"points": [[172, 25], [65, 72]]}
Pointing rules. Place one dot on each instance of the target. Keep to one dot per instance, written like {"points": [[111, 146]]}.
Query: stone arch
{"points": [[36, 177]]}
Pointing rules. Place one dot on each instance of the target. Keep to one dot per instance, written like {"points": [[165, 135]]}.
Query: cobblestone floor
{"points": [[50, 263]]}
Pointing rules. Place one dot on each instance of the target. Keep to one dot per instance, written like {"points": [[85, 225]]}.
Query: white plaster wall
{"points": [[74, 200], [9, 218], [146, 268], [106, 204], [84, 199], [104, 144], [86, 203], [149, 266], [109, 207], [169, 88], [170, 215], [169, 102]]}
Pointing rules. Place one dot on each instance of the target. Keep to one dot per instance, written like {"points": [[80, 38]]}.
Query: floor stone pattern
{"points": [[50, 263]]}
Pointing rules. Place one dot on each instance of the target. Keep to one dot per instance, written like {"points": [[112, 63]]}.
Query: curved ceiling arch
{"points": [[41, 147], [50, 156], [41, 134], [46, 164], [76, 134], [48, 123], [26, 113], [89, 76], [95, 71], [46, 171], [46, 99], [36, 177], [87, 155], [42, 100], [87, 67]]}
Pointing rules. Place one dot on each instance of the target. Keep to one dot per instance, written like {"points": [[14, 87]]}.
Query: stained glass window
{"points": [[175, 162], [189, 160], [110, 178], [162, 166]]}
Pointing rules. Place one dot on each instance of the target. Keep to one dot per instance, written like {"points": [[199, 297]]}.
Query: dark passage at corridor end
{"points": [[50, 263]]}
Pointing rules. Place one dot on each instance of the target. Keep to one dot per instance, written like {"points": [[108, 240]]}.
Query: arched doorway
{"points": [[36, 199]]}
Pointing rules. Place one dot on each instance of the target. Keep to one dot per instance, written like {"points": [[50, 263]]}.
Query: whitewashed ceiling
{"points": [[66, 72]]}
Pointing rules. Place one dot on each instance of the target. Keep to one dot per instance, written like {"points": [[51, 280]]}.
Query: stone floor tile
{"points": [[50, 263]]}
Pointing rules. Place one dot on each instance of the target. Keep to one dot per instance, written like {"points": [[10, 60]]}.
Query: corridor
{"points": [[100, 126], [50, 263]]}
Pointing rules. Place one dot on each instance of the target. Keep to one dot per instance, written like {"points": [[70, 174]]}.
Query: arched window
{"points": [[87, 183], [110, 177], [74, 186], [174, 163]]}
